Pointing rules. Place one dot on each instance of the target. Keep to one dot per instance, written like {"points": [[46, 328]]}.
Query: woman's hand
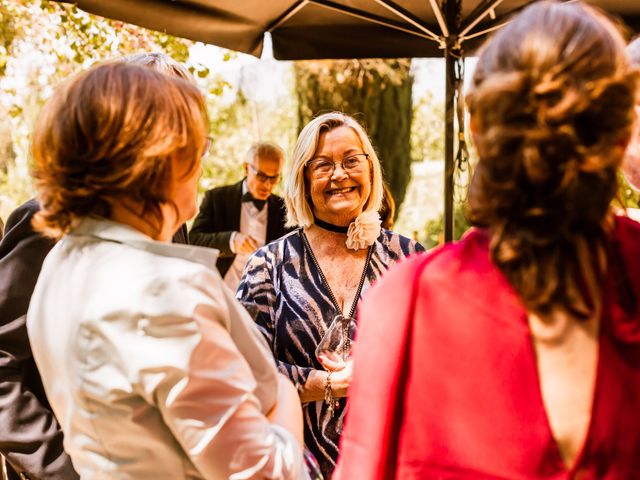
{"points": [[332, 362], [244, 243], [341, 379], [341, 373]]}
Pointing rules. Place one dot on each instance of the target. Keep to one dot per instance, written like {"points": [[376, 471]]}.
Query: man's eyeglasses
{"points": [[322, 168], [263, 177]]}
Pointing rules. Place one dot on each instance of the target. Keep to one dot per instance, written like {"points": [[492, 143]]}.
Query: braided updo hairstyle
{"points": [[552, 108]]}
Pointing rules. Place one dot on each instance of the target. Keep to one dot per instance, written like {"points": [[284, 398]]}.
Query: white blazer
{"points": [[151, 366]]}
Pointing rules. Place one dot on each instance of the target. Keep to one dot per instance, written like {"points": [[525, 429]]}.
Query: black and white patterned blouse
{"points": [[282, 289]]}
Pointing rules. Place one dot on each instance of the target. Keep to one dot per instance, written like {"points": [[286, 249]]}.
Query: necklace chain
{"points": [[363, 277]]}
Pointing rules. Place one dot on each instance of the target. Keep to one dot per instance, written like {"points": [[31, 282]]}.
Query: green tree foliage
{"points": [[427, 129], [421, 216], [377, 93], [41, 44], [239, 119], [629, 197], [7, 31], [433, 234]]}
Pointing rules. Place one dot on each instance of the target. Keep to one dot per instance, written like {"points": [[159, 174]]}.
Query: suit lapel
{"points": [[234, 201]]}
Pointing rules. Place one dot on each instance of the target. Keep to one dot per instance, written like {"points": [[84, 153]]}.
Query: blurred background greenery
{"points": [[42, 43]]}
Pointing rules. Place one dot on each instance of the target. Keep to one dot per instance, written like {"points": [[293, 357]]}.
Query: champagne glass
{"points": [[335, 347]]}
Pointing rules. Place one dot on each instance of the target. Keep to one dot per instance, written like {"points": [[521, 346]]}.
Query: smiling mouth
{"points": [[341, 191]]}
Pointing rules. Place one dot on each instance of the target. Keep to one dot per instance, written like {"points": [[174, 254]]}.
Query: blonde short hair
{"points": [[299, 211]]}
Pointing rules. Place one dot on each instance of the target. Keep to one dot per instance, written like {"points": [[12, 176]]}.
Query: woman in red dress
{"points": [[515, 353]]}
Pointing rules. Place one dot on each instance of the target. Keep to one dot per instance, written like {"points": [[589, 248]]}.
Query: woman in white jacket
{"points": [[151, 366]]}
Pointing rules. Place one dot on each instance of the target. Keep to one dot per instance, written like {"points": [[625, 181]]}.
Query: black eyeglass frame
{"points": [[263, 177], [335, 164]]}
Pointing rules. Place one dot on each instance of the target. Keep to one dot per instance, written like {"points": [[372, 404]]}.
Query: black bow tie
{"points": [[247, 197]]}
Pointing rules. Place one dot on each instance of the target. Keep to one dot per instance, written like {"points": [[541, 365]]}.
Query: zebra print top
{"points": [[282, 289]]}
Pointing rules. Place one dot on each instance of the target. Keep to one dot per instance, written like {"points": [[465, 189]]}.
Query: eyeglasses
{"points": [[321, 168], [263, 177]]}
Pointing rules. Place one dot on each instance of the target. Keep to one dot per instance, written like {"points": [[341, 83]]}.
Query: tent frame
{"points": [[455, 33]]}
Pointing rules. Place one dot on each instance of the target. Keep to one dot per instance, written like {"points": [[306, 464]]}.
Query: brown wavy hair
{"points": [[111, 134], [552, 108]]}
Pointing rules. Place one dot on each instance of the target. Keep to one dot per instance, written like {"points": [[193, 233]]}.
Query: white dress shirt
{"points": [[151, 366], [252, 222]]}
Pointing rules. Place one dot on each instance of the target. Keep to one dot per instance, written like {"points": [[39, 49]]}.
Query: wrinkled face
{"points": [[339, 195], [262, 175], [631, 162]]}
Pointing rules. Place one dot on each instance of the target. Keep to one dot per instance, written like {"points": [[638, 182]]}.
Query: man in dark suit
{"points": [[30, 437], [237, 219]]}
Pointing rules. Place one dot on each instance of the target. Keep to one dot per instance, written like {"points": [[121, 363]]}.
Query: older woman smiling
{"points": [[297, 286]]}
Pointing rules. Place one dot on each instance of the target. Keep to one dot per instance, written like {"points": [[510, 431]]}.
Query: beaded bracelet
{"points": [[328, 395]]}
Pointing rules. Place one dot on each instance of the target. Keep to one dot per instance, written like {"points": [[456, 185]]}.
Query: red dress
{"points": [[446, 383]]}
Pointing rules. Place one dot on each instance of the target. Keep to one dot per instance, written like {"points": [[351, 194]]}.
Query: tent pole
{"points": [[448, 146], [452, 11]]}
